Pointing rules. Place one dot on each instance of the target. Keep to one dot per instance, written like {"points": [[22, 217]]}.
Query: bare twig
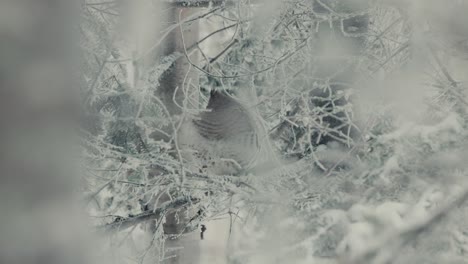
{"points": [[200, 3], [223, 51], [209, 35]]}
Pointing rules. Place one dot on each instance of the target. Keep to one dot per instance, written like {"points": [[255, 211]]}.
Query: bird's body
{"points": [[224, 137]]}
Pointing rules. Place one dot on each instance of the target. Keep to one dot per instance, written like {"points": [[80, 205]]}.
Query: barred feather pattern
{"points": [[227, 134]]}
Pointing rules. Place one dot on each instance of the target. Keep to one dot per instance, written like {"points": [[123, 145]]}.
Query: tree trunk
{"points": [[178, 78]]}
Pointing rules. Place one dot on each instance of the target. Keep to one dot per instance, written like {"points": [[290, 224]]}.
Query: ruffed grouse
{"points": [[224, 137]]}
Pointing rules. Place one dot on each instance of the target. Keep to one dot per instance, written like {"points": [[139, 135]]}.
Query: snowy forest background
{"points": [[361, 114], [363, 104]]}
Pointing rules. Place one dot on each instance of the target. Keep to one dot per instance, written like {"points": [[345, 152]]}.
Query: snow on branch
{"points": [[123, 223]]}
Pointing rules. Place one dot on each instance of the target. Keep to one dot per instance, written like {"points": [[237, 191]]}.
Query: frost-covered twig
{"points": [[121, 224]]}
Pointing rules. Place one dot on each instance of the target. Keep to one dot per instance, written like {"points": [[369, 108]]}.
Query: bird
{"points": [[224, 137]]}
